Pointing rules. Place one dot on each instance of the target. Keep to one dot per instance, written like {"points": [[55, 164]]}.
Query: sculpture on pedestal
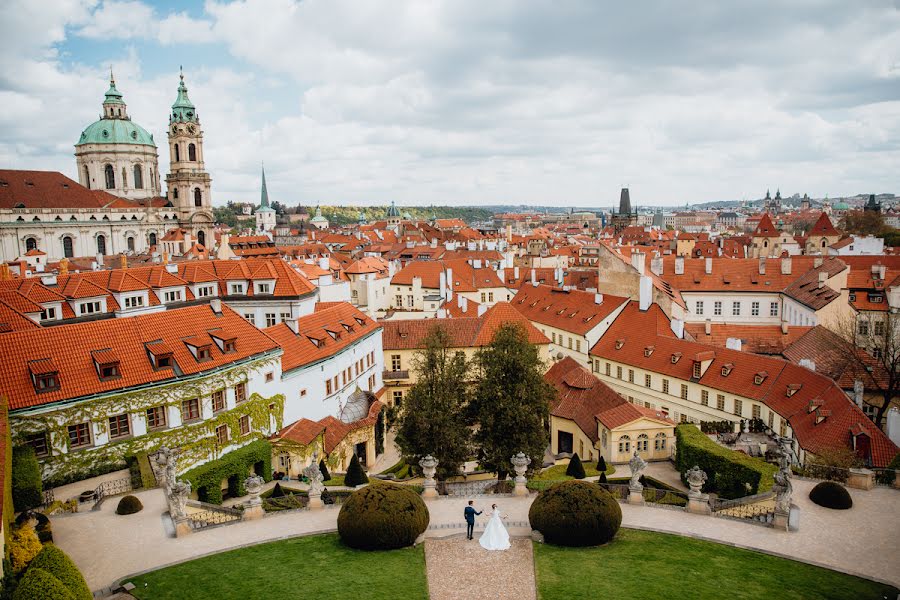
{"points": [[520, 464], [254, 485], [637, 465], [783, 487], [696, 477], [312, 472], [177, 496], [429, 468]]}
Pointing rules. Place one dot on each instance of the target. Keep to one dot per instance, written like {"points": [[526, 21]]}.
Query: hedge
{"points": [[43, 529], [831, 494], [728, 473], [26, 479], [38, 584], [235, 467], [382, 516], [575, 513], [129, 505], [323, 469], [56, 562], [24, 545], [575, 468]]}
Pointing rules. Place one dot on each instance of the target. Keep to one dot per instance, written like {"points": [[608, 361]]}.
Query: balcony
{"points": [[394, 375]]}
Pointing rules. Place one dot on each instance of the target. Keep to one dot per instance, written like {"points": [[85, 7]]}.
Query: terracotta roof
{"points": [[465, 277], [304, 431], [71, 348], [48, 189], [806, 289], [569, 310], [830, 354], [823, 227], [760, 339], [766, 228]]}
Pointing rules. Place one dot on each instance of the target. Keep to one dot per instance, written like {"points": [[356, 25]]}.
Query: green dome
{"points": [[842, 206], [392, 210], [115, 131]]}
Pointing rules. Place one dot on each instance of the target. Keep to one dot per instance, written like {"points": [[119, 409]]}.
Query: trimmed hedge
{"points": [[355, 475], [575, 513], [575, 468], [56, 562], [235, 467], [129, 505], [38, 584], [728, 473], [382, 516], [831, 494], [601, 464], [323, 468], [26, 479]]}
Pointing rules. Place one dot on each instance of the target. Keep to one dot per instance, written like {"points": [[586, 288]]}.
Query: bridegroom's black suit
{"points": [[470, 521]]}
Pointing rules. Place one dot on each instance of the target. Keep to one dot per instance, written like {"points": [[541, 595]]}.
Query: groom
{"points": [[470, 513]]}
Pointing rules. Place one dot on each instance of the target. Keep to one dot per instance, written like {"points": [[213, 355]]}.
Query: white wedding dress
{"points": [[495, 536]]}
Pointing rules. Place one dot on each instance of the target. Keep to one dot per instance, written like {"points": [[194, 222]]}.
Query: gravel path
{"points": [[459, 569]]}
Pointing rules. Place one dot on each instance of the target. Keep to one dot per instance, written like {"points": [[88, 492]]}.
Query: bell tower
{"points": [[188, 183]]}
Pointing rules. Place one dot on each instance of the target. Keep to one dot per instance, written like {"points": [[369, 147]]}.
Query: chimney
{"points": [[464, 306], [656, 265], [533, 277], [64, 266], [165, 258], [881, 271], [449, 284], [762, 265], [646, 293], [784, 328], [99, 259], [4, 272], [293, 325], [216, 305], [679, 265], [817, 262], [708, 266], [637, 261], [786, 265], [516, 274], [442, 282], [598, 298], [677, 326], [733, 344], [476, 263], [822, 278], [858, 390], [459, 301], [707, 327], [482, 309], [509, 234]]}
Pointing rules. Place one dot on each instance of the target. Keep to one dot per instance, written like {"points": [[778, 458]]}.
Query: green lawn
{"points": [[335, 480], [318, 567], [643, 564], [558, 472]]}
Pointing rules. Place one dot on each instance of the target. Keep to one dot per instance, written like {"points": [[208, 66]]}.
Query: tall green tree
{"points": [[511, 401], [432, 418]]}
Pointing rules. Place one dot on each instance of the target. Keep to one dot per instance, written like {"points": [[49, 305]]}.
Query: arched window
{"points": [[130, 242], [152, 239], [201, 237], [643, 442], [101, 245], [624, 444], [766, 244], [110, 177], [823, 242], [67, 247], [175, 193], [138, 178], [177, 154], [659, 443], [30, 244], [197, 198], [87, 177], [124, 178], [152, 181], [192, 152]]}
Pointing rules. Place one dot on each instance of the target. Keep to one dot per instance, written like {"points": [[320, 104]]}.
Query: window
{"points": [[129, 242], [772, 419], [204, 353], [152, 239], [554, 336], [483, 297], [697, 369], [68, 251], [101, 245], [87, 182], [648, 380], [198, 198], [754, 309], [398, 397], [237, 288], [48, 314], [684, 391], [327, 387], [399, 301], [190, 410], [490, 296], [704, 397], [303, 392], [285, 316], [109, 371], [757, 411], [570, 342], [738, 407], [177, 155], [618, 372], [89, 308], [773, 309], [251, 318], [270, 319], [665, 386], [192, 152], [138, 178], [134, 301], [720, 401], [222, 435], [205, 291], [270, 377], [38, 441], [608, 366], [395, 362], [118, 426], [79, 435], [173, 296], [240, 392], [244, 424], [624, 444], [630, 375], [409, 301], [717, 308], [156, 417], [218, 401], [577, 345], [698, 307], [228, 346], [879, 327], [30, 244], [863, 328], [163, 361], [735, 309], [642, 443], [782, 428], [110, 175], [659, 442]]}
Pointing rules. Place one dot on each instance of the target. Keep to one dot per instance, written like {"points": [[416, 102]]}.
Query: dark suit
{"points": [[470, 521]]}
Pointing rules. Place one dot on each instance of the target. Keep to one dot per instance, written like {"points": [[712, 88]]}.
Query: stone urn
{"points": [[429, 468], [520, 464]]}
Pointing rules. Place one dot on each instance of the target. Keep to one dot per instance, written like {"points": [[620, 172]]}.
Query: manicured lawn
{"points": [[558, 472], [335, 480], [643, 564], [317, 567]]}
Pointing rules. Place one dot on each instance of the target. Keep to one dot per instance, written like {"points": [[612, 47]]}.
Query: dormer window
{"points": [[697, 370], [263, 288], [315, 342], [237, 288], [814, 404], [44, 375], [359, 320], [676, 356], [648, 351], [163, 361], [204, 353], [726, 369], [793, 388], [160, 355], [619, 344], [225, 341], [760, 377]]}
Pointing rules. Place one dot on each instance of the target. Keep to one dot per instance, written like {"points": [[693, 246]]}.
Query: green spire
{"points": [[183, 110], [264, 199], [113, 96]]}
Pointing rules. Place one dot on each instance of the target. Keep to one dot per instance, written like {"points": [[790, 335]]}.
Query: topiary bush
{"points": [[382, 516], [129, 505], [26, 479], [56, 562], [831, 494], [575, 468], [38, 584], [601, 464], [277, 492], [575, 513], [324, 469], [602, 477], [24, 545], [355, 475]]}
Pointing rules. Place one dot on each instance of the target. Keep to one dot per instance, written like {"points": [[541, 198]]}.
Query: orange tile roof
{"points": [[333, 431], [569, 310], [760, 339], [71, 347], [465, 277], [823, 227], [48, 189], [766, 228]]}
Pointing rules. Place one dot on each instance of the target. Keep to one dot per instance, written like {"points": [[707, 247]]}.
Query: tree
{"points": [[511, 401], [225, 216], [575, 468], [432, 419], [324, 469], [355, 475], [863, 222]]}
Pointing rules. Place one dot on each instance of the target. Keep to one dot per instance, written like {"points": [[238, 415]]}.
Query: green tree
{"points": [[511, 401], [225, 216], [432, 419], [601, 464], [863, 222], [26, 479]]}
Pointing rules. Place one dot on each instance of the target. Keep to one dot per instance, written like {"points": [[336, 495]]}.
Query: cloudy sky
{"points": [[559, 102]]}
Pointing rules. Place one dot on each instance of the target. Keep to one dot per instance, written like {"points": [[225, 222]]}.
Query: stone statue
{"points": [[312, 472], [177, 496], [696, 477], [783, 487], [520, 464], [254, 485], [167, 461], [637, 465]]}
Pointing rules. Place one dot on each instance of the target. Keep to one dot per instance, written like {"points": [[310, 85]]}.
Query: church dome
{"points": [[115, 131], [393, 211]]}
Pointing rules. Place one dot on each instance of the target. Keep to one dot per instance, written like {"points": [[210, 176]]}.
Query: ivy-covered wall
{"points": [[206, 480]]}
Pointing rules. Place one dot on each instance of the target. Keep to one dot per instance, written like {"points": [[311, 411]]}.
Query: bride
{"points": [[495, 536]]}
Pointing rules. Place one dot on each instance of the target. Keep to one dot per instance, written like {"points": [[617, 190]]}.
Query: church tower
{"points": [[265, 214], [188, 182]]}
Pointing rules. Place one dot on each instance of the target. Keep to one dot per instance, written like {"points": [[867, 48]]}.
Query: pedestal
{"points": [[781, 520], [253, 512], [429, 491], [183, 527], [636, 495], [861, 479], [520, 489], [698, 505], [315, 501]]}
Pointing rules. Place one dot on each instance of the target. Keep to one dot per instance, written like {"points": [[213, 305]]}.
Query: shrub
{"points": [[382, 516], [24, 545], [575, 513], [56, 562], [129, 505], [831, 494], [38, 584], [729, 473], [26, 479], [42, 528], [602, 477], [355, 475], [601, 464], [324, 469], [234, 466], [277, 492], [575, 468]]}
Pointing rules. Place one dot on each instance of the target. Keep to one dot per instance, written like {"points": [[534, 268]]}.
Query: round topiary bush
{"points": [[831, 494], [575, 513], [56, 562], [382, 516], [129, 505], [38, 584]]}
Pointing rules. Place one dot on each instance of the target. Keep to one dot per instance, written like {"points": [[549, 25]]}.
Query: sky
{"points": [[458, 102]]}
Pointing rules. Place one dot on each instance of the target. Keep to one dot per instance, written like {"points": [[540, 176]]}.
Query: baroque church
{"points": [[118, 205]]}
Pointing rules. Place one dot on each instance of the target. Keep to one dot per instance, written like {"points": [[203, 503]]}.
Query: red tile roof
{"points": [[760, 339], [766, 228], [48, 189], [823, 227], [569, 310], [465, 277], [304, 431]]}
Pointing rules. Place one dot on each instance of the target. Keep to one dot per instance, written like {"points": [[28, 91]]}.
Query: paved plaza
{"points": [[864, 540], [460, 569]]}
